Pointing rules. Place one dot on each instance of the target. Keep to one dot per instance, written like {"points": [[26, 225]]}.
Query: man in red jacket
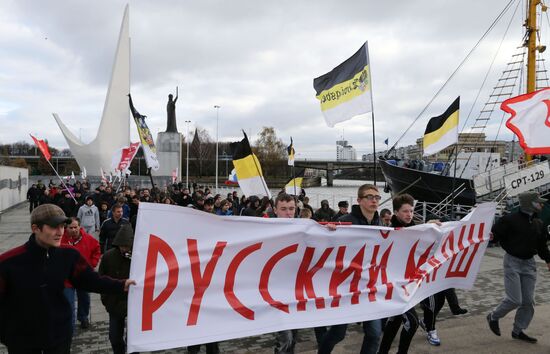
{"points": [[89, 249]]}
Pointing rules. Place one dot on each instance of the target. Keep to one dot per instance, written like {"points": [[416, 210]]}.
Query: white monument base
{"points": [[168, 153]]}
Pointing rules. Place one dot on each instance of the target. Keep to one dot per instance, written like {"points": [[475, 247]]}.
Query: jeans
{"points": [[285, 341], [32, 204], [327, 339], [63, 348], [83, 297], [116, 333], [89, 228], [520, 276], [211, 348]]}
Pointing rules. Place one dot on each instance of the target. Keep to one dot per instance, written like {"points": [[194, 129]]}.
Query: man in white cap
{"points": [[522, 236]]}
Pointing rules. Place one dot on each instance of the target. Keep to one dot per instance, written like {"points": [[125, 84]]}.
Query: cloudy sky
{"points": [[255, 59]]}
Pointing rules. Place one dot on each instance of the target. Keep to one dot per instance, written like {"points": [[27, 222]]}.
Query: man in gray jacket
{"points": [[89, 216]]}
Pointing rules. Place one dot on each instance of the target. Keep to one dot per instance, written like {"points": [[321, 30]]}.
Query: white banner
{"points": [[527, 179], [203, 278]]}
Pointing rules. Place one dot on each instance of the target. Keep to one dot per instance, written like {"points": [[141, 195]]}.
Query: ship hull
{"points": [[425, 186]]}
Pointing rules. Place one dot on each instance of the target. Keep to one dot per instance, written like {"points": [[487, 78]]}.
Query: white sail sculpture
{"points": [[114, 129]]}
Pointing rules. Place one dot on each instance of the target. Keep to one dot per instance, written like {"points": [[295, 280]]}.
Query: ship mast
{"points": [[532, 48]]}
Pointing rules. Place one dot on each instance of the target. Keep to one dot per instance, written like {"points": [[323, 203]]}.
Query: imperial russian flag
{"points": [[442, 130], [345, 91], [249, 171]]}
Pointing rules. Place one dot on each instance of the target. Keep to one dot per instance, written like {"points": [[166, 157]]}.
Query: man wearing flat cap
{"points": [[35, 317], [522, 236]]}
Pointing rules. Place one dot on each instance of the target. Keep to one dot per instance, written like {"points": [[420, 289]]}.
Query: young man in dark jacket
{"points": [[403, 211], [522, 236], [115, 263], [35, 317], [364, 213], [110, 227], [285, 207]]}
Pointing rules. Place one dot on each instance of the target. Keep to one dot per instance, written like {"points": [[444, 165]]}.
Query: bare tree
{"points": [[202, 149]]}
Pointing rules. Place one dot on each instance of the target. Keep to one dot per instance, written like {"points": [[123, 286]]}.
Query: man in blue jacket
{"points": [[35, 316]]}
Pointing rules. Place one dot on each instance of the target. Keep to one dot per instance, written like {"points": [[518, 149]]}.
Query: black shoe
{"points": [[524, 337], [85, 324], [493, 325], [459, 311]]}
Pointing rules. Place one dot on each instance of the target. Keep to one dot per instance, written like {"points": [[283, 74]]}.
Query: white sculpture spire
{"points": [[114, 129]]}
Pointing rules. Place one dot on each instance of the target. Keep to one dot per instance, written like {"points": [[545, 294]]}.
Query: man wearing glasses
{"points": [[364, 213]]}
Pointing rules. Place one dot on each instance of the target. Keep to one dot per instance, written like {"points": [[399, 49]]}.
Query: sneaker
{"points": [[524, 337], [433, 339], [422, 325], [493, 325], [85, 324]]}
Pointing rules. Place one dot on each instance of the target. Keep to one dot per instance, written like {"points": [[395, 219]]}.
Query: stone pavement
{"points": [[459, 334]]}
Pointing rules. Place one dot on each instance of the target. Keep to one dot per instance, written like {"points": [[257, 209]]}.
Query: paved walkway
{"points": [[459, 334]]}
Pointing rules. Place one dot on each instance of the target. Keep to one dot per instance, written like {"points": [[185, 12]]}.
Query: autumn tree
{"points": [[270, 150], [19, 162]]}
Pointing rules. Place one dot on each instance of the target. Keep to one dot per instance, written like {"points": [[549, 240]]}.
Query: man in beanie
{"points": [[35, 317], [343, 206], [115, 263], [522, 236], [324, 213]]}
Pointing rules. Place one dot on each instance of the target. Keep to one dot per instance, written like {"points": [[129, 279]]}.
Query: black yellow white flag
{"points": [[248, 169], [345, 92], [442, 131], [294, 186], [290, 151]]}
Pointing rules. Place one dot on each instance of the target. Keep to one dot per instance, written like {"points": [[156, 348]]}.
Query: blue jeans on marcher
{"points": [[83, 298]]}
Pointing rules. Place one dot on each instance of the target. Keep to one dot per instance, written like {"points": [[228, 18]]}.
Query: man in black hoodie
{"points": [[364, 213], [115, 263], [522, 236]]}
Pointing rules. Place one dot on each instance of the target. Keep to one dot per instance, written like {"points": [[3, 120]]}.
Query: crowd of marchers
{"points": [[45, 283]]}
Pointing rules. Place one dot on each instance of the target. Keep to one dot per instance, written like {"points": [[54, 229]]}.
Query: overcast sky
{"points": [[256, 59]]}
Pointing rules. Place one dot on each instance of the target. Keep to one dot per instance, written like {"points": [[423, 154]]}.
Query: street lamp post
{"points": [[217, 140], [187, 159]]}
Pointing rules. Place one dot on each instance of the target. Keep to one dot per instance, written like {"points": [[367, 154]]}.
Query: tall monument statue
{"points": [[171, 126], [169, 143]]}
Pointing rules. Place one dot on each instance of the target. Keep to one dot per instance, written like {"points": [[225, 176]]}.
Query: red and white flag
{"points": [[530, 120], [123, 157], [43, 146]]}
